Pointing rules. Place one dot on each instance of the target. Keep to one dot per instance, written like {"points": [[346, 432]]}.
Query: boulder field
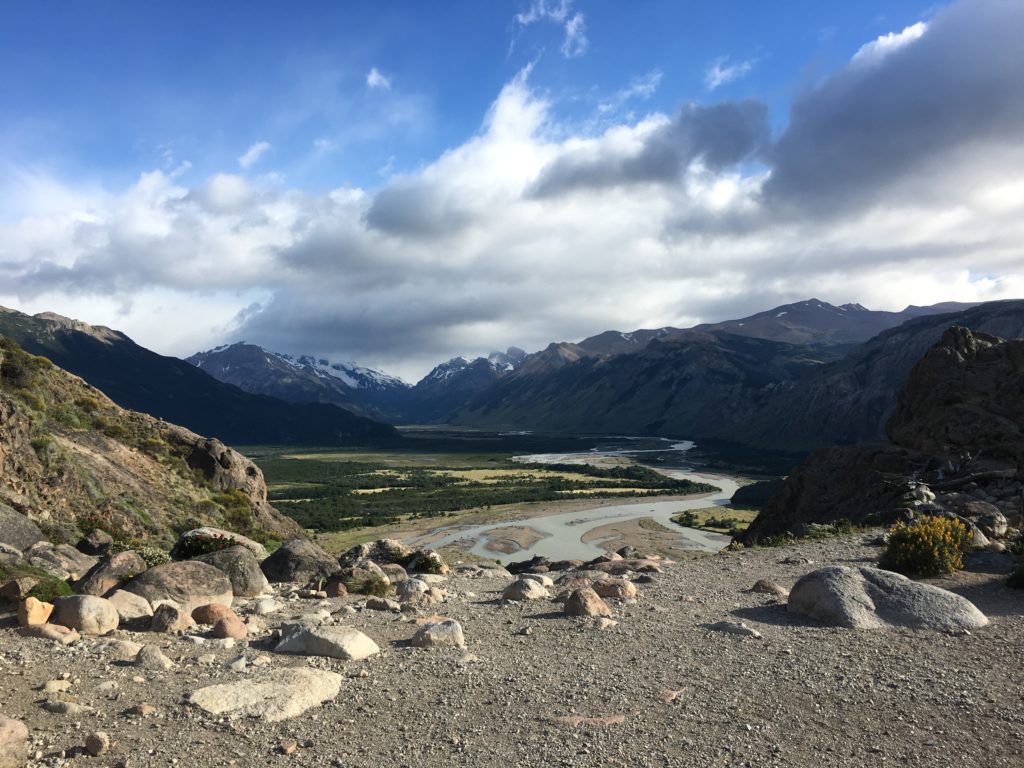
{"points": [[622, 661]]}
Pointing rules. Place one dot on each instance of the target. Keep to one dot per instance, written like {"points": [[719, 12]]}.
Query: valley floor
{"points": [[676, 693]]}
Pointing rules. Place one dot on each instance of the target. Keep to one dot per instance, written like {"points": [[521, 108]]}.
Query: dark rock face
{"points": [[846, 482], [959, 420], [299, 560], [852, 400], [756, 494], [18, 531], [965, 395]]}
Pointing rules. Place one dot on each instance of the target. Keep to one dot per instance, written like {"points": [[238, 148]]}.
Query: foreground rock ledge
{"points": [[869, 598], [279, 695]]}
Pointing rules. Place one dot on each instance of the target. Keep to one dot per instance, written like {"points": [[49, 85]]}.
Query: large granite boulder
{"points": [[188, 583], [88, 614], [110, 574], [343, 643], [868, 598], [299, 560], [274, 696], [59, 560], [241, 566]]}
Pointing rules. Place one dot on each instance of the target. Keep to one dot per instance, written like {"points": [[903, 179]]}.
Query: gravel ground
{"points": [[801, 696]]}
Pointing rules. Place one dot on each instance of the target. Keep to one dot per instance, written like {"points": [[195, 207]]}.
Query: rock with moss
{"points": [[427, 561]]}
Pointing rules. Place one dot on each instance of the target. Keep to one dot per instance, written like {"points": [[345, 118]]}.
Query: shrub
{"points": [[932, 546], [201, 544], [375, 585], [152, 555], [47, 590]]}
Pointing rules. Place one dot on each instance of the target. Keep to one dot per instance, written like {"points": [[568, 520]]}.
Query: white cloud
{"points": [[574, 25], [374, 79], [722, 71], [879, 48], [253, 154], [642, 87], [651, 222]]}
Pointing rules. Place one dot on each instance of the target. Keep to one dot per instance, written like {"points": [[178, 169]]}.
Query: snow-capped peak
{"points": [[351, 374]]}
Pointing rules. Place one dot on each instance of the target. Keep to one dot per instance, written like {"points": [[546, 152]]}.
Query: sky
{"points": [[398, 183]]}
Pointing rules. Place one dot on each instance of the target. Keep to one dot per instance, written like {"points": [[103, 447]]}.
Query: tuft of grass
{"points": [[374, 585]]}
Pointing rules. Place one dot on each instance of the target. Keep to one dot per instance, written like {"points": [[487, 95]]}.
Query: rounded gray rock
{"points": [[869, 598]]}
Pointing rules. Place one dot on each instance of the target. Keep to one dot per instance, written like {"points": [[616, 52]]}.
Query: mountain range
{"points": [[791, 378], [173, 390]]}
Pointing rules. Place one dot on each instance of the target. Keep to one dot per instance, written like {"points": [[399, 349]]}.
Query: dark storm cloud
{"points": [[885, 117], [719, 136], [415, 210]]}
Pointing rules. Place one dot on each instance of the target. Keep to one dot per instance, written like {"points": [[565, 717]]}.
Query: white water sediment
{"points": [[563, 533]]}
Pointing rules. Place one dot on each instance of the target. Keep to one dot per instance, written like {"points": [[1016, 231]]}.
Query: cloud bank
{"points": [[896, 180]]}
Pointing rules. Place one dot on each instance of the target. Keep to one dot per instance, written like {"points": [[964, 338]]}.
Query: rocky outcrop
{"points": [[849, 482], [965, 396], [958, 428], [72, 460]]}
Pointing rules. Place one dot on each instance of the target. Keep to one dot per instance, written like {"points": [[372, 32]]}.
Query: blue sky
{"points": [[106, 88], [402, 182]]}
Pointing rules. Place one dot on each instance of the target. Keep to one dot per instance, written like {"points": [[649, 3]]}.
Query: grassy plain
{"points": [[334, 490], [728, 520]]}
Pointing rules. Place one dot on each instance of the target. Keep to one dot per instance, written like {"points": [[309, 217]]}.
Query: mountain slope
{"points": [[304, 379], [851, 400], [171, 389], [818, 322], [452, 384], [685, 385], [70, 459]]}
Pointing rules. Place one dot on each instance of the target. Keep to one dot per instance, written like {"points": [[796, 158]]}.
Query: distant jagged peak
{"points": [[350, 374]]}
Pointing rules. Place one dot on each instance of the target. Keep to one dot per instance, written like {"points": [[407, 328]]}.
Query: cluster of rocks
{"points": [[297, 602]]}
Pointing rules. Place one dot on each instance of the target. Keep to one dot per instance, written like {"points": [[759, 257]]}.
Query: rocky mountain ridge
{"points": [[71, 459], [956, 446], [171, 389]]}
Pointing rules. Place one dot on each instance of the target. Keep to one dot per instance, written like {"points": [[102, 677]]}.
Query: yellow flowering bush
{"points": [[931, 546]]}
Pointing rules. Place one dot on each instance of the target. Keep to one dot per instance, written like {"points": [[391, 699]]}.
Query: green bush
{"points": [[375, 585], [202, 544], [48, 588], [152, 555], [931, 546]]}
